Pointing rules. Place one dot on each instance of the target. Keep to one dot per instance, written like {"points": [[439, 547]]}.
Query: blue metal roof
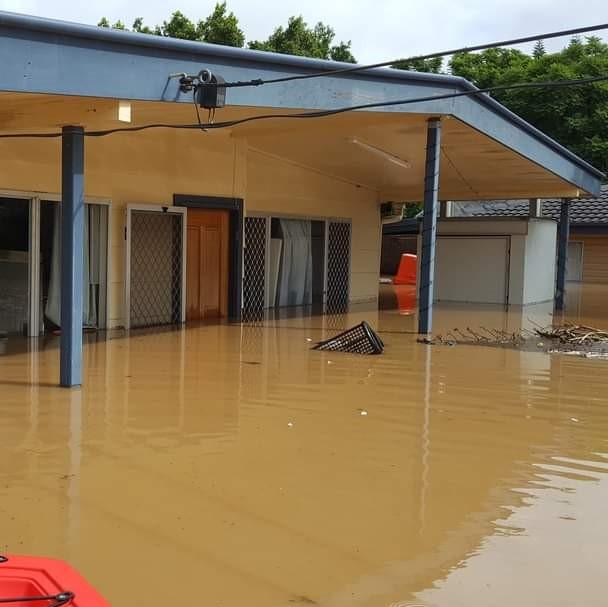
{"points": [[57, 57]]}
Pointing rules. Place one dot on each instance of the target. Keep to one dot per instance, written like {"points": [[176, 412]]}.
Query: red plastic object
{"points": [[27, 576], [406, 274], [406, 299]]}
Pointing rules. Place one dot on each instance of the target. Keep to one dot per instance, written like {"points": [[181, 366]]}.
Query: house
{"points": [[588, 243], [502, 221], [164, 222]]}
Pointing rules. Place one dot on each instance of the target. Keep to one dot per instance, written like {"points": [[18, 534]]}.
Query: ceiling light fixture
{"points": [[380, 152]]}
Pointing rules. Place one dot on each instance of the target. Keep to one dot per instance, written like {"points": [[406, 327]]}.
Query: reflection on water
{"points": [[229, 465]]}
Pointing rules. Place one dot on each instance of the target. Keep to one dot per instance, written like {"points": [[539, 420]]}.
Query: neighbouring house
{"points": [[588, 243], [102, 153], [504, 222]]}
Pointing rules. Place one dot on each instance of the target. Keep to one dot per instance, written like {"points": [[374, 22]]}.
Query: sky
{"points": [[379, 30]]}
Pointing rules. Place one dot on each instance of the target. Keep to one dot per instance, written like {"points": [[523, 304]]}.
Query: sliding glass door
{"points": [[30, 266], [94, 267], [14, 266]]}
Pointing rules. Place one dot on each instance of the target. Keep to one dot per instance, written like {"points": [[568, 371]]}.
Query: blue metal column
{"points": [[429, 226], [72, 244], [562, 253]]}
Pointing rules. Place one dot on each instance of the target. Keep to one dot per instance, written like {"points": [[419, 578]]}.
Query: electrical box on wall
{"points": [[211, 94]]}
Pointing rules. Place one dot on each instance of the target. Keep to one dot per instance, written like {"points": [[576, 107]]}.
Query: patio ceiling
{"points": [[487, 150], [473, 165]]}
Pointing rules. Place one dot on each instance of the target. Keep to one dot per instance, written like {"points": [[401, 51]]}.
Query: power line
{"points": [[553, 84], [465, 49]]}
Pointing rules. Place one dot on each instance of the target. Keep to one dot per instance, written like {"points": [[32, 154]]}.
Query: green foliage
{"points": [[221, 27], [342, 52], [577, 116], [179, 26], [491, 67], [539, 50], [433, 66], [119, 25], [299, 39], [139, 27], [412, 209]]}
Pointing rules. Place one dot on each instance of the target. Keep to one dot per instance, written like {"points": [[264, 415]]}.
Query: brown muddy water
{"points": [[229, 465]]}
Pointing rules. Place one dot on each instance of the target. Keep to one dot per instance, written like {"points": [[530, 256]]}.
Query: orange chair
{"points": [[406, 274]]}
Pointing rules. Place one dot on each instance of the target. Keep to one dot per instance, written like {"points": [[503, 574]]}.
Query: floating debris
{"points": [[574, 334], [360, 339], [570, 339]]}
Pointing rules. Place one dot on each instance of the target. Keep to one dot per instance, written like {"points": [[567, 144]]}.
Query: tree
{"points": [[491, 67], [433, 66], [299, 39], [179, 26], [539, 49], [575, 116], [119, 25], [341, 52], [221, 27], [139, 27]]}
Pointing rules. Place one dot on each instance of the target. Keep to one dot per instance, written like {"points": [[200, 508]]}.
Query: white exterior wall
{"points": [[472, 269], [517, 267], [477, 260], [539, 272]]}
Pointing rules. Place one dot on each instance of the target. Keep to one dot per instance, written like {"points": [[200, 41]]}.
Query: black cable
{"points": [[320, 113], [63, 598], [198, 115], [465, 49]]}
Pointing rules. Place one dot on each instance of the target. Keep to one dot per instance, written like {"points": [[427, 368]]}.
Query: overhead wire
{"points": [[436, 55], [321, 113]]}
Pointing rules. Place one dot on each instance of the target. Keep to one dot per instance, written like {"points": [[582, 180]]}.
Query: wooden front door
{"points": [[207, 264]]}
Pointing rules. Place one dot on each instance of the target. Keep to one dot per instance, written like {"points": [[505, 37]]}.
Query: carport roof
{"points": [[55, 57]]}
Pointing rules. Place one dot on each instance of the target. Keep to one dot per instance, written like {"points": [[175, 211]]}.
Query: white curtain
{"points": [[295, 279], [276, 246], [93, 249]]}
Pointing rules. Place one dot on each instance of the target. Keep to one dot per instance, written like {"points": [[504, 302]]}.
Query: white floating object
{"points": [[363, 412], [574, 419], [290, 424], [309, 339]]}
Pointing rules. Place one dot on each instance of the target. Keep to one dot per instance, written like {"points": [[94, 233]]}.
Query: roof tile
{"points": [[582, 210]]}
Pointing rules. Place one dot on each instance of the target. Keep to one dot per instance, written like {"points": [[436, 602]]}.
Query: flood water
{"points": [[229, 465]]}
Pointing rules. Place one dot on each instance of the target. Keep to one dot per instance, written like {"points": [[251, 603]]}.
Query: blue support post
{"points": [[72, 244], [429, 226], [562, 253]]}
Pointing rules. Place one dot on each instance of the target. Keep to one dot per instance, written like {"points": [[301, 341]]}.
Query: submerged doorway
{"points": [[207, 262], [14, 266], [213, 277], [296, 263]]}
